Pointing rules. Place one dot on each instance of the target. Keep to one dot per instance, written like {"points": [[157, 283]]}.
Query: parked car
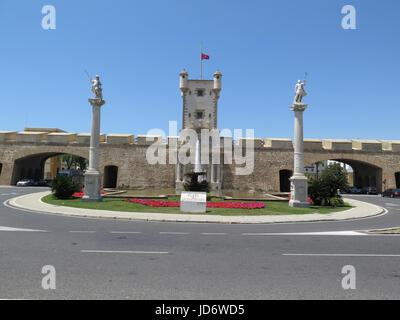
{"points": [[41, 183], [369, 190], [392, 193], [25, 183], [355, 190]]}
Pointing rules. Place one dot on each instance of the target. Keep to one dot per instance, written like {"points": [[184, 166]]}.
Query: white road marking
{"points": [[19, 229], [82, 231], [117, 251], [392, 204], [126, 232], [214, 234], [340, 255], [176, 233], [327, 233]]}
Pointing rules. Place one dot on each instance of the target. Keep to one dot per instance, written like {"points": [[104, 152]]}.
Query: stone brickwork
{"points": [[23, 154]]}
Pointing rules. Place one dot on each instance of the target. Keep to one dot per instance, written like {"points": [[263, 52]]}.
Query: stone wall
{"points": [[375, 159]]}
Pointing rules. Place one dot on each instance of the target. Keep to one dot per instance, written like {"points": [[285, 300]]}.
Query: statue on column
{"points": [[96, 88], [299, 92]]}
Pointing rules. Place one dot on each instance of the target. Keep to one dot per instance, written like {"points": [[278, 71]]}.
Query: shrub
{"points": [[63, 187], [194, 185], [336, 202], [323, 190]]}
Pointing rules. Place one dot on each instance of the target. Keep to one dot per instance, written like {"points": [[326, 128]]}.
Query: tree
{"points": [[69, 160], [82, 163], [323, 190], [74, 161]]}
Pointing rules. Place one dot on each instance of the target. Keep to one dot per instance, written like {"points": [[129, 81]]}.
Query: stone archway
{"points": [[367, 171], [365, 174], [31, 166]]}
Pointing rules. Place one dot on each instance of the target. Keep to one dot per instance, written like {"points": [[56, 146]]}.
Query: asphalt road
{"points": [[114, 259]]}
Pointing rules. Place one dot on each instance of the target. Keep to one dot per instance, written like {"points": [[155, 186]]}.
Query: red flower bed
{"points": [[227, 204], [82, 193], [154, 203], [236, 205]]}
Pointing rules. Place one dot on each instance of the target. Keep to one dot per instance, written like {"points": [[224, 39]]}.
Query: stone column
{"points": [[298, 182], [178, 172], [212, 169], [197, 163], [93, 175]]}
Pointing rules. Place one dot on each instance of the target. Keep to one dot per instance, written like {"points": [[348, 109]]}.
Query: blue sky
{"points": [[262, 48]]}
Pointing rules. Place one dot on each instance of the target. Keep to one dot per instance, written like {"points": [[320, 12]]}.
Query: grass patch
{"points": [[271, 207]]}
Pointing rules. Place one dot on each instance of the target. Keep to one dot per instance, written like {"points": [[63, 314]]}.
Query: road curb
{"points": [[33, 203]]}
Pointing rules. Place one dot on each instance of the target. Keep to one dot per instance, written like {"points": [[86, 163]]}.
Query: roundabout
{"points": [[34, 202], [106, 258]]}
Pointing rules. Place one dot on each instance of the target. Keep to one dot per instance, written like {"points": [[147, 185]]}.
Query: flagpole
{"points": [[201, 60]]}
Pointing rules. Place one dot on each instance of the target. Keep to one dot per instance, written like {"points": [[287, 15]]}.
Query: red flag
{"points": [[205, 57]]}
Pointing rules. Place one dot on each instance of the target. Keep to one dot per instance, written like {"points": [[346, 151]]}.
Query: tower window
{"points": [[199, 115], [200, 92]]}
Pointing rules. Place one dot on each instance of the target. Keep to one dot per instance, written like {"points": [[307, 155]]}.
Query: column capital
{"points": [[298, 107], [95, 102]]}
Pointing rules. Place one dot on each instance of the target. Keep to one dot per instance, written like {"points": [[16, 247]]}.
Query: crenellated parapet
{"points": [[391, 145], [8, 136], [120, 139], [84, 138], [310, 145], [336, 145]]}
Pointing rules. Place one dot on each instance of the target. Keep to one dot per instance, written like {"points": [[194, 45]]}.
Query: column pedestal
{"points": [[298, 191], [92, 186]]}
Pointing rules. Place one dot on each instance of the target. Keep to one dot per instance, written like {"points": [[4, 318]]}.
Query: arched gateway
{"points": [[124, 163]]}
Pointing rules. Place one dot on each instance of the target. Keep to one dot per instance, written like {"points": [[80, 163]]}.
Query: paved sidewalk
{"points": [[32, 202]]}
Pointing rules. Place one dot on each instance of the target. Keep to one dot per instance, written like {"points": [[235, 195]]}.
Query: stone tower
{"points": [[200, 101], [200, 111]]}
